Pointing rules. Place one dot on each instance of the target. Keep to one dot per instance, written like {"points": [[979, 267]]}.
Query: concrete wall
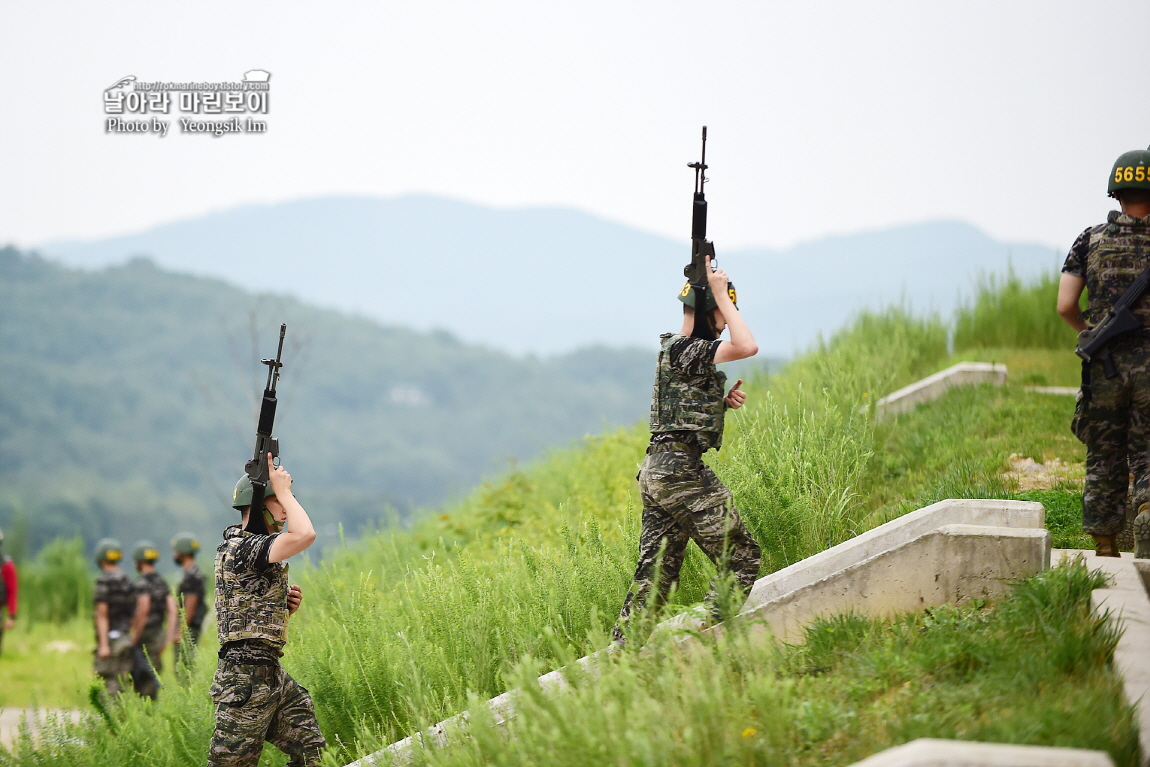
{"points": [[989, 513], [953, 564], [933, 387], [932, 752]]}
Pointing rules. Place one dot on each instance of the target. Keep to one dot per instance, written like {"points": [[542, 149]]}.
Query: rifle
{"points": [[257, 467], [701, 247], [1119, 320]]}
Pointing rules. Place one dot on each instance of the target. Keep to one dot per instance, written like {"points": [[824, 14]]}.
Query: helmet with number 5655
{"points": [[1130, 171]]}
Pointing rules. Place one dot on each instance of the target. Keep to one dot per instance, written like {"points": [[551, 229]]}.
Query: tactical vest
{"points": [[121, 599], [193, 583], [249, 604], [1117, 252], [688, 403], [155, 586]]}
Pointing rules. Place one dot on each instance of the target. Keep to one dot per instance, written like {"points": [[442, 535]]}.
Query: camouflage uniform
{"points": [[683, 500], [256, 700], [155, 628], [116, 590], [1113, 420], [192, 583]]}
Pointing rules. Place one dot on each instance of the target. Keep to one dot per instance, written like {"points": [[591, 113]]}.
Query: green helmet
{"points": [[242, 495], [1130, 171], [108, 550], [145, 551], [687, 296], [185, 543]]}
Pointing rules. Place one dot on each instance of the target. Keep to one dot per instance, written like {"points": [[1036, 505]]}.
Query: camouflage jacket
{"points": [[154, 585], [117, 591], [687, 400], [193, 583], [1109, 256], [251, 594]]}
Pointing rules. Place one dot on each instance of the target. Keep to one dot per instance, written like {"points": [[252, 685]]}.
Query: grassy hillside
{"points": [[127, 400], [527, 572]]}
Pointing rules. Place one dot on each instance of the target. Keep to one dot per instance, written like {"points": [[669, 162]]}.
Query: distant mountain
{"points": [[128, 395], [549, 280]]}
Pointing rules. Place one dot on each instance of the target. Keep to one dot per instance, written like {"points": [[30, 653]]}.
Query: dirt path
{"points": [[10, 719]]}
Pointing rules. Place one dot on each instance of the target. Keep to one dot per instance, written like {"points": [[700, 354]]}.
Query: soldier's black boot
{"points": [[1105, 546], [1142, 532]]}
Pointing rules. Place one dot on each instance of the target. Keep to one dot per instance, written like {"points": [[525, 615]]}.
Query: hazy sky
{"points": [[824, 117]]}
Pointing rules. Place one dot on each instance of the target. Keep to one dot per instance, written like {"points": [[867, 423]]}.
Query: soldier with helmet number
{"points": [[256, 700], [683, 500], [156, 618], [190, 596], [1112, 416], [115, 601]]}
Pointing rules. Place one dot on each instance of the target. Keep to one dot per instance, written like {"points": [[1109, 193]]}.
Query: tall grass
{"points": [[1007, 313], [57, 585], [1032, 671]]}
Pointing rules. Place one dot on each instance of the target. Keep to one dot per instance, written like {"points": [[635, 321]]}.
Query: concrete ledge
{"points": [[953, 564], [932, 752], [1128, 602], [988, 513], [933, 387], [1064, 391]]}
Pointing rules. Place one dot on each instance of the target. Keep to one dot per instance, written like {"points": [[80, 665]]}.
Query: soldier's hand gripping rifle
{"points": [[701, 247], [257, 467], [1119, 321]]}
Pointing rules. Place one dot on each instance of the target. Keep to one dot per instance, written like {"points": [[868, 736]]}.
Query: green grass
{"points": [[407, 626], [1033, 670], [1007, 313], [1030, 367], [46, 664]]}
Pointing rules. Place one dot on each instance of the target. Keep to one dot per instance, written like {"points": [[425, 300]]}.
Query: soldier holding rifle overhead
{"points": [[1112, 416], [256, 700], [683, 500]]}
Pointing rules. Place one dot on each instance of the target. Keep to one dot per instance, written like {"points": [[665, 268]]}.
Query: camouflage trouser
{"points": [[116, 666], [152, 644], [684, 501], [258, 703], [1115, 426]]}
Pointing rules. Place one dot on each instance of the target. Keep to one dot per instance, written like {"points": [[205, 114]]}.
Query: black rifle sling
{"points": [[702, 328]]}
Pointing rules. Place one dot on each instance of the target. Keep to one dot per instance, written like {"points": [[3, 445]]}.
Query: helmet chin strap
{"points": [[273, 525]]}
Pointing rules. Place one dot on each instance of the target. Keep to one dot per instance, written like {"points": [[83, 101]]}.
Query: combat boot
{"points": [[1105, 546], [1142, 532]]}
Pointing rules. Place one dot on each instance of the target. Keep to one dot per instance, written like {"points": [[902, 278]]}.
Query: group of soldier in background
{"points": [[137, 620]]}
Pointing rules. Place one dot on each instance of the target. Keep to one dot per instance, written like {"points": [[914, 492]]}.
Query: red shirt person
{"points": [[9, 591]]}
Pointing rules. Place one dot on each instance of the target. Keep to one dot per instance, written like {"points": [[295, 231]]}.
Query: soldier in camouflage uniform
{"points": [[190, 596], [683, 500], [115, 601], [1112, 417], [256, 700], [159, 615]]}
